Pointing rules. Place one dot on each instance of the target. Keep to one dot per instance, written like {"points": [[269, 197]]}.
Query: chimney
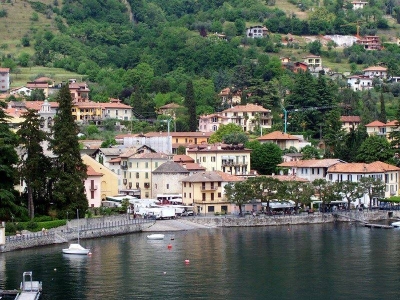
{"points": [[184, 165]]}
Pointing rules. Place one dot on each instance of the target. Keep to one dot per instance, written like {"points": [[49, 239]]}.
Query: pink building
{"points": [[93, 187]]}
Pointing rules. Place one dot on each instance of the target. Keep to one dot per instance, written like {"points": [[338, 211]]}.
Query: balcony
{"points": [[93, 187], [124, 167], [208, 188]]}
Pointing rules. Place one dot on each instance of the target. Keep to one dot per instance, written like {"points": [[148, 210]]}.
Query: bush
{"points": [[10, 228], [43, 219]]}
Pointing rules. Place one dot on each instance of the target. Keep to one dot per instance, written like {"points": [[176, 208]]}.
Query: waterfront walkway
{"points": [[175, 225]]}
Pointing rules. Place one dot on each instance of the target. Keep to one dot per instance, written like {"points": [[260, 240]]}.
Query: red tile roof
{"points": [[247, 108], [375, 68], [350, 119], [375, 124], [311, 163], [277, 135], [92, 172], [374, 167]]}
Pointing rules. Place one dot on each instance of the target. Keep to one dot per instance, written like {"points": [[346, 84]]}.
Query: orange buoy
{"points": [[169, 246]]}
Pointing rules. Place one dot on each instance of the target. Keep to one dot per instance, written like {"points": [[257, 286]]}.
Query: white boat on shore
{"points": [[396, 224], [156, 236], [76, 249]]}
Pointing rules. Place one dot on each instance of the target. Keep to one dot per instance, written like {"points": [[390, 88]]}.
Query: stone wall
{"points": [[317, 218], [89, 228]]}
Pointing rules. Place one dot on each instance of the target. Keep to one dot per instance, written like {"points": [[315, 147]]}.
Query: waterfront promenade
{"points": [[124, 224]]}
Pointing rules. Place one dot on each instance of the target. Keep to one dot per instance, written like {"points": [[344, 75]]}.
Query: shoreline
{"points": [[120, 225]]}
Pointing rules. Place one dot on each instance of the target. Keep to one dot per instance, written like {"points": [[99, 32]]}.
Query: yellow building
{"points": [[109, 180], [231, 159], [137, 168], [205, 191]]}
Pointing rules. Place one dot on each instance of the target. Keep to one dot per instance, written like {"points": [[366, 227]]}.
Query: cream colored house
{"points": [[205, 191], [116, 110], [382, 129], [108, 185], [137, 169], [350, 122], [249, 117], [284, 140], [389, 174], [231, 159], [313, 60], [167, 177]]}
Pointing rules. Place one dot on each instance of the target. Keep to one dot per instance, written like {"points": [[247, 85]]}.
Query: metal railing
{"points": [[29, 236]]}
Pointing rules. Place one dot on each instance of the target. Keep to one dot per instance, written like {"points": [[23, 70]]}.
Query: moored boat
{"points": [[396, 224], [155, 236], [76, 249]]}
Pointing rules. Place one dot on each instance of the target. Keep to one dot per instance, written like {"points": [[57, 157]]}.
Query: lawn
{"points": [[29, 74]]}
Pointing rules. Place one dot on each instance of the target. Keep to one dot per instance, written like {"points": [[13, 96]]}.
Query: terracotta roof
{"points": [[374, 167], [112, 151], [7, 70], [37, 105], [212, 176], [375, 68], [217, 115], [115, 160], [179, 134], [222, 148], [288, 178], [157, 155], [193, 166], [350, 119], [311, 163], [375, 124], [393, 123], [113, 105], [170, 167], [37, 85], [183, 159], [277, 135], [92, 172], [246, 108]]}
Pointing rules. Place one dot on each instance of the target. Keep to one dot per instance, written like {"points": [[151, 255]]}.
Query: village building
{"points": [[205, 191], [114, 109], [170, 110], [284, 140], [370, 42], [313, 60], [249, 117], [256, 31], [92, 184], [309, 169], [359, 4], [350, 122], [376, 72], [359, 82], [108, 184], [230, 96], [4, 79], [231, 159], [137, 170], [389, 174], [167, 178]]}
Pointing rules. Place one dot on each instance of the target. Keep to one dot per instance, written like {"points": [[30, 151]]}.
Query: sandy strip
{"points": [[174, 225]]}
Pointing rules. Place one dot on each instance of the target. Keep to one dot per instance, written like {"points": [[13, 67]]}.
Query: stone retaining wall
{"points": [[317, 218]]}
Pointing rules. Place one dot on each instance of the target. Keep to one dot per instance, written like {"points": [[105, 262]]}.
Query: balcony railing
{"points": [[208, 188], [93, 187], [124, 167]]}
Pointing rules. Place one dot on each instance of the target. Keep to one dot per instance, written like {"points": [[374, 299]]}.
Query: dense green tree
{"points": [[224, 130], [190, 104], [352, 143], [264, 157], [351, 191], [8, 161], [239, 193], [265, 188], [298, 191], [37, 95], [326, 192], [69, 170], [375, 148], [373, 187], [235, 138], [310, 152], [333, 133], [382, 114], [34, 165]]}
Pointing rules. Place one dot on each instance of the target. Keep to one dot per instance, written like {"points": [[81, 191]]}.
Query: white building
{"points": [[359, 82], [359, 4], [375, 72], [4, 79], [256, 31], [389, 174]]}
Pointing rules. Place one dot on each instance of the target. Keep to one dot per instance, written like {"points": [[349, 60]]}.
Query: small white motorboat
{"points": [[76, 249], [396, 224], [156, 236]]}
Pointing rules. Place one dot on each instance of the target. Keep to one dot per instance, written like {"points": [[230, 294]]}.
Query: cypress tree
{"points": [[382, 115], [34, 165], [8, 159], [69, 170], [191, 106]]}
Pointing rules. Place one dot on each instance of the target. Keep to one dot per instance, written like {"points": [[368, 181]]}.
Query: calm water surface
{"points": [[290, 262]]}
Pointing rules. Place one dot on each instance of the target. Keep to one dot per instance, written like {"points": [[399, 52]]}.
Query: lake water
{"points": [[331, 261]]}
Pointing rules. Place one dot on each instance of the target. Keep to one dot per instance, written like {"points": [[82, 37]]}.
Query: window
{"points": [[184, 184], [204, 159], [190, 184], [146, 165], [219, 195], [203, 196], [190, 195], [167, 186], [92, 194], [210, 209], [156, 164], [312, 171], [212, 196], [146, 194], [219, 183], [184, 195], [212, 158], [137, 174], [146, 175], [155, 185], [330, 176]]}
